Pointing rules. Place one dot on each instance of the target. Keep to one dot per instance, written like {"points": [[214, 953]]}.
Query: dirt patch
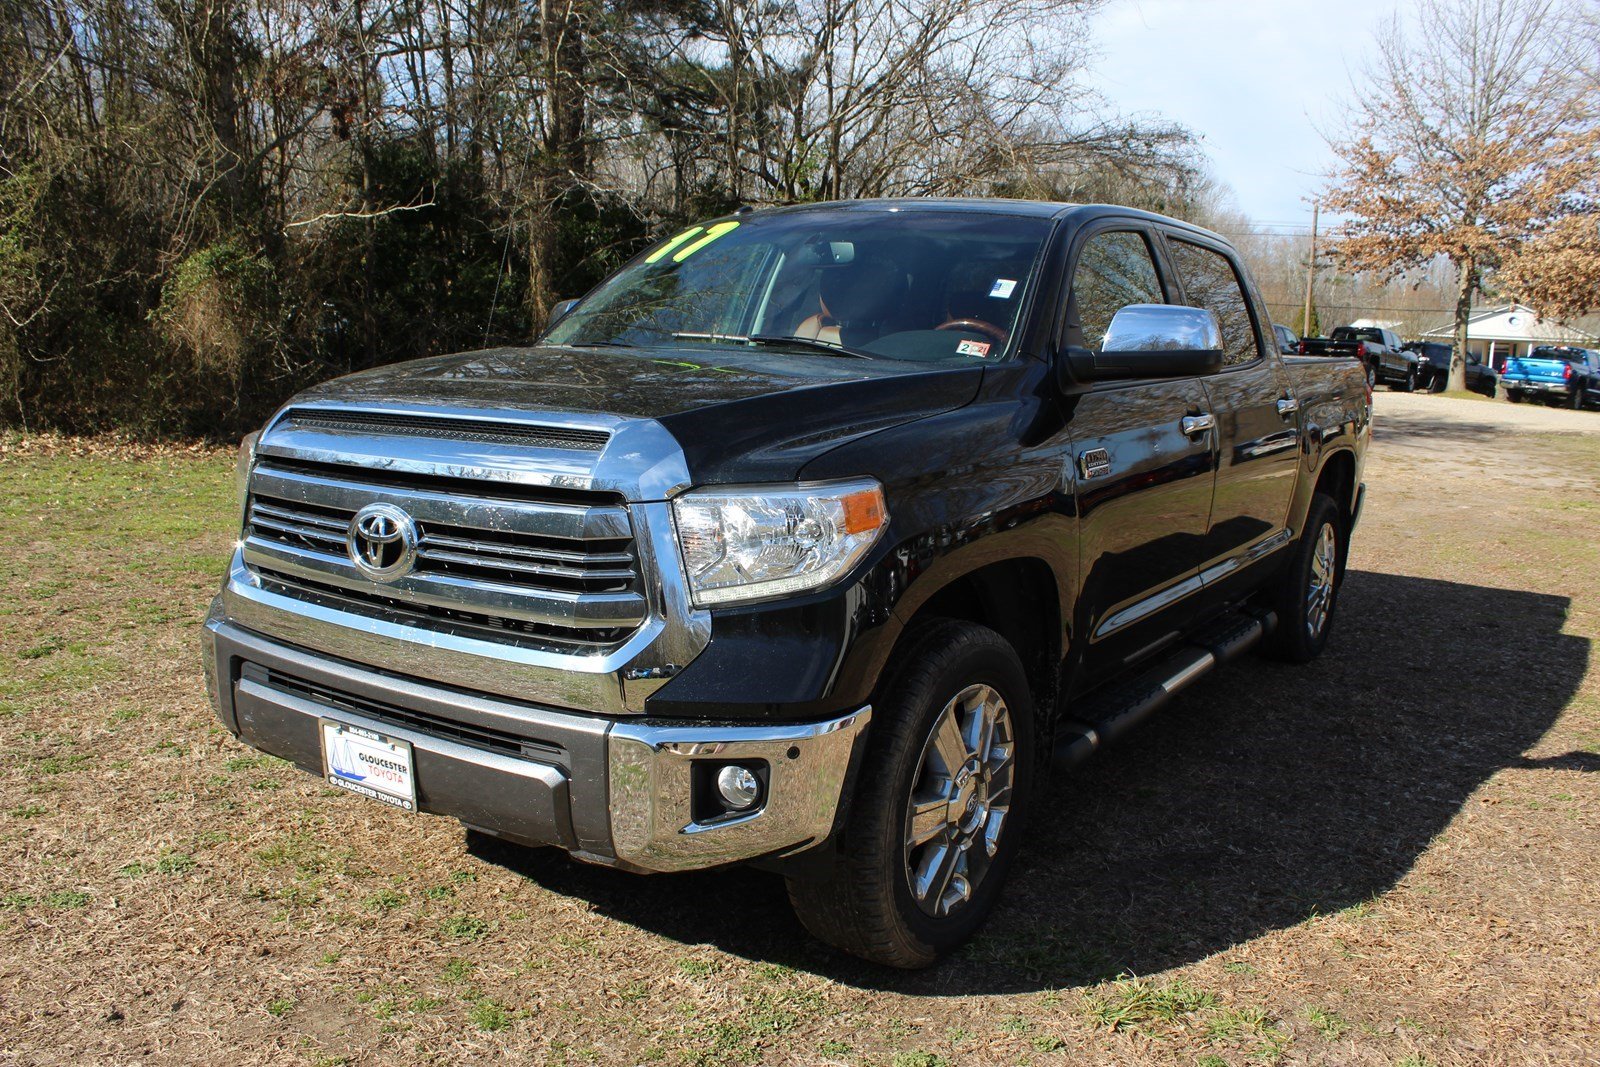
{"points": [[1387, 857]]}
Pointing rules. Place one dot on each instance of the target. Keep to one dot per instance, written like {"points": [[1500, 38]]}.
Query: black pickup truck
{"points": [[814, 537], [1378, 349]]}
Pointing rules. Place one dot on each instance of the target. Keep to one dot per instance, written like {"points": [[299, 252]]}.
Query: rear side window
{"points": [[1114, 270], [1211, 283]]}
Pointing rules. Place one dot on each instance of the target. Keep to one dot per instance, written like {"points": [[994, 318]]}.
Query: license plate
{"points": [[368, 763]]}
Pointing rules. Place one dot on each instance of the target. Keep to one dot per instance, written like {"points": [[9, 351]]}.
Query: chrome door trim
{"points": [[1148, 606], [1252, 553], [1141, 609]]}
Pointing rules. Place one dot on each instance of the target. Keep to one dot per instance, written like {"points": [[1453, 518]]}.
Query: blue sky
{"points": [[1256, 79]]}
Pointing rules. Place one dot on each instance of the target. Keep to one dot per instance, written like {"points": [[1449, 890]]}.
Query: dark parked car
{"points": [[1433, 368], [811, 538]]}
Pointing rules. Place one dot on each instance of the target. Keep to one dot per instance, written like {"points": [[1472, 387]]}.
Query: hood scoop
{"points": [[444, 427]]}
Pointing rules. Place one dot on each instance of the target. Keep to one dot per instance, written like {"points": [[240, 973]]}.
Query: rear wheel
{"points": [[1307, 591], [1514, 396], [936, 819], [1410, 384], [1437, 380], [1579, 397]]}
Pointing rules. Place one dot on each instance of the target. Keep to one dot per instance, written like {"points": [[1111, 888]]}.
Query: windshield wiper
{"points": [[809, 342], [775, 341]]}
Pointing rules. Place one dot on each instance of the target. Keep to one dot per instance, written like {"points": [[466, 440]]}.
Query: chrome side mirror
{"points": [[1153, 341]]}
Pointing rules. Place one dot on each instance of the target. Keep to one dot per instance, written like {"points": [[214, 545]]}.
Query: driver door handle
{"points": [[1194, 425], [1288, 406]]}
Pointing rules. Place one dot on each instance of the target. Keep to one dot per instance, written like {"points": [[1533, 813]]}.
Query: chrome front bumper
{"points": [[615, 791]]}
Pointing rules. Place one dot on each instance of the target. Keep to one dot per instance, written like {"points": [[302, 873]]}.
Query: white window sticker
{"points": [[972, 348], [1003, 288]]}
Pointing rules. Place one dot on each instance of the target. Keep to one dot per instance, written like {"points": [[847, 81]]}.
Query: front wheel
{"points": [[936, 819], [1307, 590]]}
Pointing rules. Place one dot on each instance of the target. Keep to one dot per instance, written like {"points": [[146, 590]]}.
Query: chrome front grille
{"points": [[547, 566]]}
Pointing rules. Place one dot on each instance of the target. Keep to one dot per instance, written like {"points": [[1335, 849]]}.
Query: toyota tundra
{"points": [[815, 537]]}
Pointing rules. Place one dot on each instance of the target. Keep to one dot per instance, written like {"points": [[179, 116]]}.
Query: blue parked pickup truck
{"points": [[1557, 374]]}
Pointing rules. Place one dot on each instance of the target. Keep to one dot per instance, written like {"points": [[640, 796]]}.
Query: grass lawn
{"points": [[1391, 856]]}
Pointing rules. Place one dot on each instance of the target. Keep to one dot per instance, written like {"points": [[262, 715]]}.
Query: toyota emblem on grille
{"points": [[382, 542]]}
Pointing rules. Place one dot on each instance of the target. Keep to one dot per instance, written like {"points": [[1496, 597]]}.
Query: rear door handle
{"points": [[1194, 425], [1288, 406]]}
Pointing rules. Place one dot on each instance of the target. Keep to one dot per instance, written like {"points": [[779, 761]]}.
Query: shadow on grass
{"points": [[1265, 795]]}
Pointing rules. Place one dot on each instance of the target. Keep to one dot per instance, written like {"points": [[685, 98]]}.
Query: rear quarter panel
{"points": [[1336, 416]]}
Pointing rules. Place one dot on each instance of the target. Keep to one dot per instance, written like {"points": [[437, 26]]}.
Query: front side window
{"points": [[1114, 270], [1210, 282], [888, 283]]}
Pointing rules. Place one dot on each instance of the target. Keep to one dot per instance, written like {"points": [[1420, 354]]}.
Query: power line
{"points": [[1324, 305]]}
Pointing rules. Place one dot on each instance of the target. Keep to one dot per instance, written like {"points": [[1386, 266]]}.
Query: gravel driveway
{"points": [[1519, 418]]}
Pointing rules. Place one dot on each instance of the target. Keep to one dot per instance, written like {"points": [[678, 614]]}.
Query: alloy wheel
{"points": [[959, 800], [1324, 569]]}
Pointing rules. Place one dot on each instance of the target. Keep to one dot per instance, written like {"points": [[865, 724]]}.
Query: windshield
{"points": [[912, 285]]}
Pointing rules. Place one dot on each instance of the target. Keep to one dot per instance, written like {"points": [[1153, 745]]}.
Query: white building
{"points": [[1496, 334]]}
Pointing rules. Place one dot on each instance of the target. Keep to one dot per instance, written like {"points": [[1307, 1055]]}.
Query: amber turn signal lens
{"points": [[864, 511]]}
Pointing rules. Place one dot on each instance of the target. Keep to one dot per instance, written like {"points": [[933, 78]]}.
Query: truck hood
{"points": [[756, 416]]}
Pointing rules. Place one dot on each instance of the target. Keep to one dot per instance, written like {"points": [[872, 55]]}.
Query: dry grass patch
{"points": [[1386, 857]]}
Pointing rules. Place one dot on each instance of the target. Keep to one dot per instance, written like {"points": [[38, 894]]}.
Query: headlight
{"points": [[241, 472], [750, 544]]}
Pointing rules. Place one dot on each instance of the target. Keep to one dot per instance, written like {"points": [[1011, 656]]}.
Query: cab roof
{"points": [[1045, 209]]}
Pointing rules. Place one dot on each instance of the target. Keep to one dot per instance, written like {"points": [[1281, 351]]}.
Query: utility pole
{"points": [[1311, 270]]}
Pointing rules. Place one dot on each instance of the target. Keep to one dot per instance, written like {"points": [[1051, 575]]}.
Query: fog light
{"points": [[739, 786]]}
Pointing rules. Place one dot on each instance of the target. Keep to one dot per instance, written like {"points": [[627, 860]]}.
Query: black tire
{"points": [[1410, 384], [1438, 380], [1578, 398], [1295, 640], [1514, 396], [859, 897]]}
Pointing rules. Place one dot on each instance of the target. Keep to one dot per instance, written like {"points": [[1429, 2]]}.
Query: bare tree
{"points": [[204, 202], [1470, 135]]}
